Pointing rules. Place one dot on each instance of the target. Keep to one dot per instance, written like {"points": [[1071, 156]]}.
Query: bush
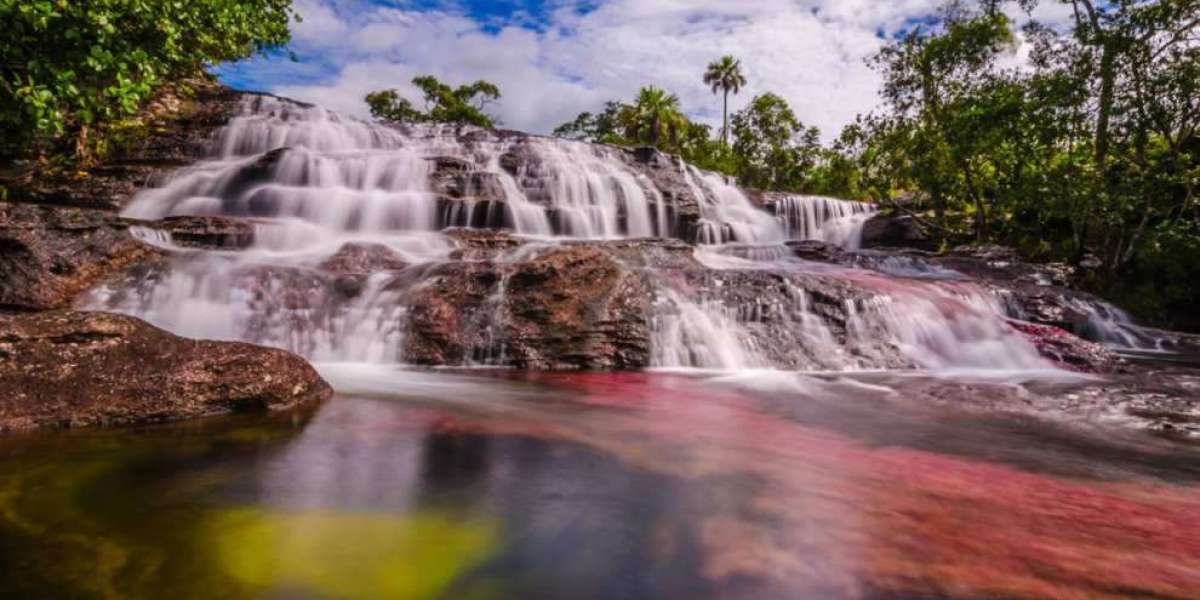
{"points": [[71, 68]]}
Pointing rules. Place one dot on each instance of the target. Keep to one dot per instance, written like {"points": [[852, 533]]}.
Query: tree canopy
{"points": [[69, 70], [725, 76], [1089, 148], [462, 105]]}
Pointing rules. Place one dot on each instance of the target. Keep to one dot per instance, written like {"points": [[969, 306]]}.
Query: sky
{"points": [[556, 58]]}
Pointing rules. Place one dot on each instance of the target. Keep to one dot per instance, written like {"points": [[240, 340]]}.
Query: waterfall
{"points": [[727, 214], [315, 186], [697, 334], [824, 219]]}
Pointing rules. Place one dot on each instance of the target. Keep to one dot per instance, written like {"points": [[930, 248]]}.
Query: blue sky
{"points": [[555, 58]]}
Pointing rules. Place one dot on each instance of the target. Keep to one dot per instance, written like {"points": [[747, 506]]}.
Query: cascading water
{"points": [[316, 186], [824, 219], [727, 214]]}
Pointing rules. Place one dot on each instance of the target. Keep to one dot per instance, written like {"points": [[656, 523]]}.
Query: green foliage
{"points": [[388, 105], [600, 128], [773, 149], [654, 118], [69, 69], [1093, 151], [725, 76], [463, 105]]}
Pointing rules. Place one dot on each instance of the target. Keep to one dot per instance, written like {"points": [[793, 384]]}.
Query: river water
{"points": [[905, 442], [492, 484]]}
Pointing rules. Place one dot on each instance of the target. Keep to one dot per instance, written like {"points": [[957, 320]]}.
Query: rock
{"points": [[363, 258], [250, 176], [49, 255], [457, 179], [577, 307], [571, 307], [1068, 350], [894, 231], [818, 251], [76, 369], [175, 130], [219, 233], [648, 155], [486, 214], [481, 244], [355, 261]]}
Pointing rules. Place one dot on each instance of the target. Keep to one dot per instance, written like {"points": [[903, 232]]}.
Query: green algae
{"points": [[349, 555]]}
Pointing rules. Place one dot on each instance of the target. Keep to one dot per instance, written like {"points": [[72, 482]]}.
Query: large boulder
{"points": [[49, 255], [895, 231], [569, 307], [74, 369]]}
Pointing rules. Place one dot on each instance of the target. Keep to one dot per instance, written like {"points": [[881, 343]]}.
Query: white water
{"points": [[818, 218], [314, 181]]}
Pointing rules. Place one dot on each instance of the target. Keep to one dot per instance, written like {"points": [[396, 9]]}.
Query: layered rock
{"points": [[49, 255], [895, 231], [72, 369], [174, 130]]}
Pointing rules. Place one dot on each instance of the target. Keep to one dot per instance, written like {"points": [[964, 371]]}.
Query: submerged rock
{"points": [[75, 369]]}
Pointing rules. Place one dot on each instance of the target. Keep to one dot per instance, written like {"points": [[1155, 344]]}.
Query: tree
{"points": [[654, 117], [600, 128], [725, 75], [772, 148], [928, 80], [463, 105], [70, 70], [388, 105]]}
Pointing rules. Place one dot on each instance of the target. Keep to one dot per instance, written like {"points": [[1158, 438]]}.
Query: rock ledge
{"points": [[76, 369]]}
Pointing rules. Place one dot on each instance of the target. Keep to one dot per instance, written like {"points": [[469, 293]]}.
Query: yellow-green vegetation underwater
{"points": [[99, 516]]}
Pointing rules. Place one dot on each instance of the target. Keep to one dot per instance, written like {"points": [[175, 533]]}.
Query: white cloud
{"points": [[812, 52]]}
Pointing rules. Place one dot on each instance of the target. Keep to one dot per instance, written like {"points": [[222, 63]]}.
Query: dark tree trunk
{"points": [[1107, 92], [725, 119]]}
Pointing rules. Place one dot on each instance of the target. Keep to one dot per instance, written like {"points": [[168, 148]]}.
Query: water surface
{"points": [[489, 484]]}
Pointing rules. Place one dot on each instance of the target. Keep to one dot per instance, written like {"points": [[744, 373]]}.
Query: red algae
{"points": [[852, 518]]}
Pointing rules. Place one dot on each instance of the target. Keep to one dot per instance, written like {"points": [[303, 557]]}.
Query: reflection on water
{"points": [[499, 485]]}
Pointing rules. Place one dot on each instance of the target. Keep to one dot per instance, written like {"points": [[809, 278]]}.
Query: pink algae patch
{"points": [[844, 513]]}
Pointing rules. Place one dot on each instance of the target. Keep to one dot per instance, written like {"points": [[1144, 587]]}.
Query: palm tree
{"points": [[654, 112], [725, 75]]}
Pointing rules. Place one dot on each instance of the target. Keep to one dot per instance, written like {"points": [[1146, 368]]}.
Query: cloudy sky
{"points": [[556, 58]]}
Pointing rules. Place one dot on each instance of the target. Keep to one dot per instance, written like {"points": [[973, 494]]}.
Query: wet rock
{"points": [[363, 258], [485, 214], [447, 324], [1000, 263], [481, 244], [1068, 350], [76, 369], [819, 251], [765, 199], [895, 231], [255, 174], [577, 307], [50, 255], [457, 179], [571, 307], [216, 233], [355, 261], [450, 165]]}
